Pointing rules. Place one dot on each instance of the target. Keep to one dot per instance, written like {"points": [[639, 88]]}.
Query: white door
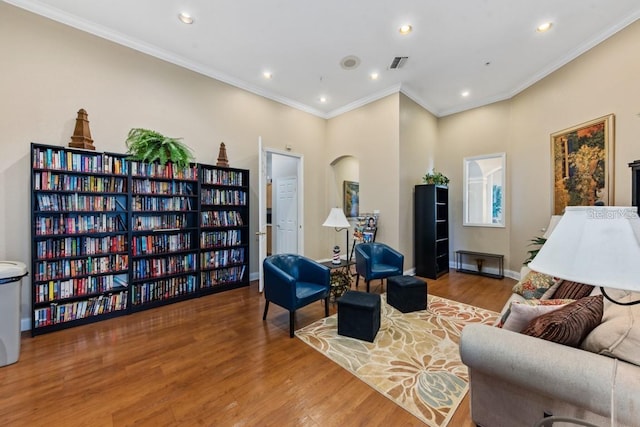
{"points": [[262, 211], [286, 215]]}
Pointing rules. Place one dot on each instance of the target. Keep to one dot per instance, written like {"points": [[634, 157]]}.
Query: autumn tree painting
{"points": [[582, 165]]}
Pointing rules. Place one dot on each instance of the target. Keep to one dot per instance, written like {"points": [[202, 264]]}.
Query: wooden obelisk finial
{"points": [[81, 137], [223, 161]]}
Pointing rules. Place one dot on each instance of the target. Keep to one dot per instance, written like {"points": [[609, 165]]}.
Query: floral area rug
{"points": [[414, 360]]}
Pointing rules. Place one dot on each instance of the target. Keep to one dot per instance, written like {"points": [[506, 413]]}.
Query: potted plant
{"points": [[150, 146], [435, 177]]}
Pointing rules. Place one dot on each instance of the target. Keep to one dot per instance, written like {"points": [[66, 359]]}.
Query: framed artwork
{"points": [[351, 199], [582, 164]]}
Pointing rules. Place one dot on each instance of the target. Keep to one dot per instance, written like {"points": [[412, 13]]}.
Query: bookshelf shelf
{"points": [[431, 240], [111, 236]]}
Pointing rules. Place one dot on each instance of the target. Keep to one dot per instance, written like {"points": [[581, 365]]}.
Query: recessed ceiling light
{"points": [[185, 18], [544, 27], [405, 29], [465, 93], [267, 74], [374, 76], [323, 99]]}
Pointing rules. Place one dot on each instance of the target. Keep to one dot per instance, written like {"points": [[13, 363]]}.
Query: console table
{"points": [[480, 258]]}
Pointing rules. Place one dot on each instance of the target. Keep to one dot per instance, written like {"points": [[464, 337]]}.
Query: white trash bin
{"points": [[11, 274]]}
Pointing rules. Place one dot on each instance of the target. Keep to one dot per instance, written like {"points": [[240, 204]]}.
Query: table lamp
{"points": [[594, 245], [337, 220]]}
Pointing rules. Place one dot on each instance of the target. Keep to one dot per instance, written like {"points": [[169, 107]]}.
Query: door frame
{"points": [[262, 205]]}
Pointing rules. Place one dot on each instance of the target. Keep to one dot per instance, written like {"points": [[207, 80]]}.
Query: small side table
{"points": [[340, 277]]}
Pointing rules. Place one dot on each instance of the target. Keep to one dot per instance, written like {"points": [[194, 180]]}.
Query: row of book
{"points": [[152, 203], [163, 289], [221, 219], [160, 243], [78, 202], [52, 270], [161, 187], [78, 223], [46, 180], [222, 276], [60, 313], [61, 289], [223, 258], [166, 171], [223, 197], [80, 246], [222, 177], [159, 222], [61, 159], [167, 265], [217, 239]]}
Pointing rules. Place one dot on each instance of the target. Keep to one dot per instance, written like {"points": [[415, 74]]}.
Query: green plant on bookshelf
{"points": [[148, 146], [435, 177]]}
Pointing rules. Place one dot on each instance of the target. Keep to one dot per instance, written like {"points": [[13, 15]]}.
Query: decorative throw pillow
{"points": [[522, 312], [552, 290], [572, 290], [618, 335], [570, 324], [534, 285]]}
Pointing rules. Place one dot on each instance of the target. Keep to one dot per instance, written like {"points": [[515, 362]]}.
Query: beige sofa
{"points": [[516, 379]]}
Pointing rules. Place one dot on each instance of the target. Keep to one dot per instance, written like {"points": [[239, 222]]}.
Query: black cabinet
{"points": [[635, 182], [431, 230]]}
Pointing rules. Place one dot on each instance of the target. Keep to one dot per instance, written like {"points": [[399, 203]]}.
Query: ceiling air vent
{"points": [[398, 62]]}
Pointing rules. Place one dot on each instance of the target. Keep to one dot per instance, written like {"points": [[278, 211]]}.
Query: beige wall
{"points": [[472, 133], [370, 133], [418, 150], [602, 81], [50, 71]]}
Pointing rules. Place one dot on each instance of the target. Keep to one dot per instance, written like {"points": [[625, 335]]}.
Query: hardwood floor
{"points": [[211, 361]]}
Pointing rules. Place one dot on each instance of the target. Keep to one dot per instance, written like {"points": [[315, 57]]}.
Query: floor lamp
{"points": [[337, 220]]}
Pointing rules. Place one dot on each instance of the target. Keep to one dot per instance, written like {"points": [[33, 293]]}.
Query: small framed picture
{"points": [[351, 199]]}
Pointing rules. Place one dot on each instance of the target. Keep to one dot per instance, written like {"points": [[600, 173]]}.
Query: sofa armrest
{"points": [[575, 376]]}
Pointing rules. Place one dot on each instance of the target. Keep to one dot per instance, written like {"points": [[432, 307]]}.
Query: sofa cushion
{"points": [[533, 285], [572, 290], [570, 324], [618, 335], [520, 313]]}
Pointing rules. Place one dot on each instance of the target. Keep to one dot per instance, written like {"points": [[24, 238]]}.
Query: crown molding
{"points": [[573, 54], [363, 101], [418, 100]]}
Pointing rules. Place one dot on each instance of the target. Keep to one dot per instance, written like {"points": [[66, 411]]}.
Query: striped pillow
{"points": [[572, 290], [570, 324]]}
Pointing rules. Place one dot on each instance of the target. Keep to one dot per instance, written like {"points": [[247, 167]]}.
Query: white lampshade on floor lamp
{"points": [[594, 245], [337, 220]]}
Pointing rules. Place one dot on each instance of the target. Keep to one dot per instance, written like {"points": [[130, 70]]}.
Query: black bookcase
{"points": [[79, 244], [224, 228], [111, 236], [635, 182], [431, 230], [164, 239]]}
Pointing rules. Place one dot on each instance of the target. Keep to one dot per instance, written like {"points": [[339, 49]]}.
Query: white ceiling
{"points": [[488, 47]]}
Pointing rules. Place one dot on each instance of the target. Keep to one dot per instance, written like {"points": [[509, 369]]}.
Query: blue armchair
{"points": [[377, 261], [293, 281]]}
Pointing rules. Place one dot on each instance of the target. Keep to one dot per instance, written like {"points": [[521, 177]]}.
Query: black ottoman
{"points": [[359, 315], [406, 293]]}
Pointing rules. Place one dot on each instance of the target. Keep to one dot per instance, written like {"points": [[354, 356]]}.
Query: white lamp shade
{"points": [[595, 245], [336, 219], [555, 219]]}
